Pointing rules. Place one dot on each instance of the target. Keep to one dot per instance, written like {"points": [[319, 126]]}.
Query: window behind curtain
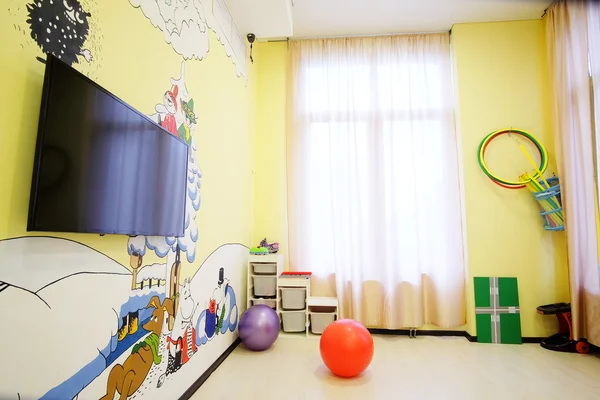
{"points": [[374, 199]]}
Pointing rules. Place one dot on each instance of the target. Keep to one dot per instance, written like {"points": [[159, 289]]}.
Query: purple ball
{"points": [[259, 327]]}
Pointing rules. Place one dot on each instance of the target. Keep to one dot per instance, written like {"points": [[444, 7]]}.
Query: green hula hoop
{"points": [[506, 183]]}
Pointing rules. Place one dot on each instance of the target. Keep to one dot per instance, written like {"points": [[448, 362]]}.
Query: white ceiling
{"points": [[265, 18], [275, 19]]}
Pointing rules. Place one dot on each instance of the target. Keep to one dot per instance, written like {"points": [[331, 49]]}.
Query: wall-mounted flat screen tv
{"points": [[101, 166]]}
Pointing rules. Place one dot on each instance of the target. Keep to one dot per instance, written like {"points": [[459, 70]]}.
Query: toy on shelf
{"points": [[295, 274], [563, 340], [545, 191], [259, 251], [273, 247]]}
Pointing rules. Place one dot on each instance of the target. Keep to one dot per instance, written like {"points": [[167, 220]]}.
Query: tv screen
{"points": [[101, 166]]}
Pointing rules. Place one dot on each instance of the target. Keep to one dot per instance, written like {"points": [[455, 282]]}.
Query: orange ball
{"points": [[346, 348]]}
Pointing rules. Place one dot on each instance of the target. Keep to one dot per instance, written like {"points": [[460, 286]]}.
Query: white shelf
{"points": [[287, 282], [277, 259], [294, 282], [267, 258], [322, 302]]}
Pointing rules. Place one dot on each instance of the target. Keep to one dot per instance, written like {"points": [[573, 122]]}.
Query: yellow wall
{"points": [[270, 199], [502, 82], [132, 60], [501, 76]]}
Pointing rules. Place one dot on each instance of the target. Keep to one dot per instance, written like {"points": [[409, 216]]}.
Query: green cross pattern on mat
{"points": [[497, 313]]}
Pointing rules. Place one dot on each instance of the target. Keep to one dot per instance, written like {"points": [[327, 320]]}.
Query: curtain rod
{"points": [[549, 7], [357, 36]]}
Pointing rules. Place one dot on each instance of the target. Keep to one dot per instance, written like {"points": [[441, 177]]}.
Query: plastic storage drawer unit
{"points": [[264, 268], [293, 298], [269, 302], [294, 321], [318, 322], [265, 285]]}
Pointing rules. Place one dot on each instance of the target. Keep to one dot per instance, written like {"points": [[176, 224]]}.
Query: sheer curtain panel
{"points": [[573, 38], [374, 199]]}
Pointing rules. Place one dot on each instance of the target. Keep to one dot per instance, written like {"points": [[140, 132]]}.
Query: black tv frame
{"points": [[33, 197]]}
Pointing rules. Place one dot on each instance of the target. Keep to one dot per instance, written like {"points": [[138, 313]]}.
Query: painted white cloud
{"points": [[187, 244], [137, 244], [185, 24], [182, 22], [222, 23]]}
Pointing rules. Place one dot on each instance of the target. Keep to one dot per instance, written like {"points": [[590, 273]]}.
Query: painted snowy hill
{"points": [[38, 261], [65, 306], [59, 305]]}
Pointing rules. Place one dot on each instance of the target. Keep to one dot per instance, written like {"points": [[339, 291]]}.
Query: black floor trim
{"points": [[533, 339], [470, 338], [196, 385], [467, 335], [406, 332]]}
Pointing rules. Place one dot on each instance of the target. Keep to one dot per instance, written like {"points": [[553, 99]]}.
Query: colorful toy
{"points": [[504, 182], [259, 327], [563, 340], [346, 348], [273, 247], [545, 192], [259, 251]]}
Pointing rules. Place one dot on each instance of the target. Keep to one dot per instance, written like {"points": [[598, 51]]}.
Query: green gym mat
{"points": [[497, 313]]}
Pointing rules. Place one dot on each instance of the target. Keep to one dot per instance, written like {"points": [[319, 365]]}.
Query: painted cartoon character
{"points": [[168, 109], [185, 129], [60, 27], [181, 343], [215, 312], [127, 378]]}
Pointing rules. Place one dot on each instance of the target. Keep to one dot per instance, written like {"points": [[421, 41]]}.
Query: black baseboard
{"points": [[196, 385], [533, 339], [470, 338], [406, 332], [465, 334]]}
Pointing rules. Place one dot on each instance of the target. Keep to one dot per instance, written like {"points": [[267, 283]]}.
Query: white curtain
{"points": [[374, 202], [572, 48]]}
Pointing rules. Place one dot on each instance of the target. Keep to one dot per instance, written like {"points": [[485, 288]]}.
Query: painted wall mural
{"points": [[103, 329], [68, 29], [176, 114], [109, 331], [185, 25], [60, 28]]}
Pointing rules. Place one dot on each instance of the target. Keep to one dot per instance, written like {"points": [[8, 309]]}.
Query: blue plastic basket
{"points": [[549, 194]]}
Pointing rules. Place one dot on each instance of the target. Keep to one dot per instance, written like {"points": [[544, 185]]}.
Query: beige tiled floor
{"points": [[403, 368]]}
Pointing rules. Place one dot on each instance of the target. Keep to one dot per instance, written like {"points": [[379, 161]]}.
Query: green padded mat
{"points": [[497, 313]]}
